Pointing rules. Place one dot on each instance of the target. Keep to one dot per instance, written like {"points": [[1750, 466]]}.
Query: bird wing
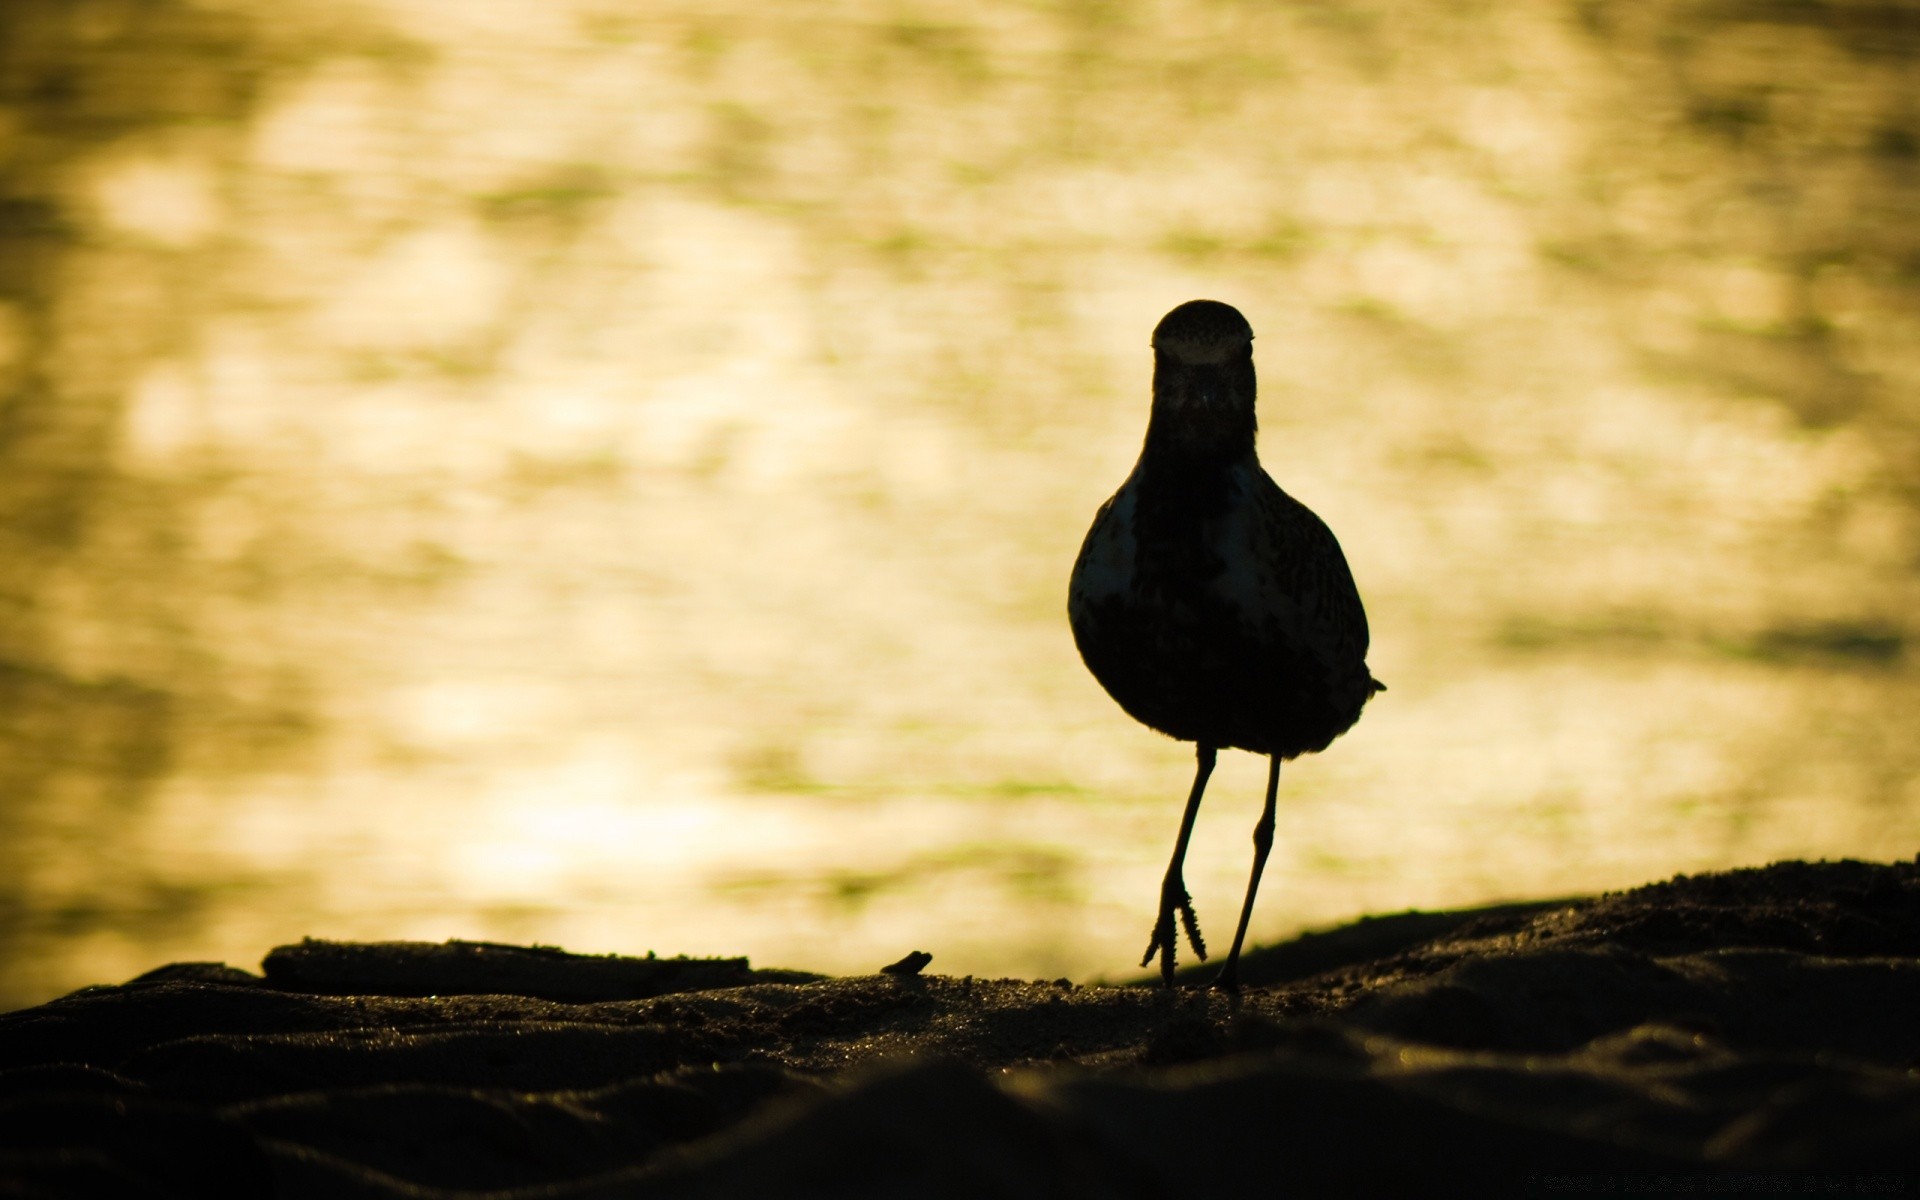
{"points": [[1105, 568], [1288, 579]]}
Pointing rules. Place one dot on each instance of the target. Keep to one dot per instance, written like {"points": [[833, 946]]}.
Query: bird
{"points": [[1210, 604]]}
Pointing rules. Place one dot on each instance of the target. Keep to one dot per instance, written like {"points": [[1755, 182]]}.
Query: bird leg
{"points": [[1173, 889], [1229, 979]]}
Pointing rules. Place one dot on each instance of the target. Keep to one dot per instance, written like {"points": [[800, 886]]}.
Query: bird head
{"points": [[1202, 332], [1203, 377]]}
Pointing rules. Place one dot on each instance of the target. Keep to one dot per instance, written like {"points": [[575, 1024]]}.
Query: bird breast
{"points": [[1224, 561]]}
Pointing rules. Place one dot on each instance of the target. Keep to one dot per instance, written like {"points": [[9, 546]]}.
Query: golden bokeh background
{"points": [[605, 473]]}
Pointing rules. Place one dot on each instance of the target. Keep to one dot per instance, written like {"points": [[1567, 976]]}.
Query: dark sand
{"points": [[1750, 1032]]}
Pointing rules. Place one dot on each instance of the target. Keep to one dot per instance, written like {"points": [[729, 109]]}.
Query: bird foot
{"points": [[1174, 899]]}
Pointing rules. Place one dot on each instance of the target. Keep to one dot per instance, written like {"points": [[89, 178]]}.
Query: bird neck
{"points": [[1202, 419]]}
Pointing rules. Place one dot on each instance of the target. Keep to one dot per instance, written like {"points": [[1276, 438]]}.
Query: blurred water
{"points": [[606, 474]]}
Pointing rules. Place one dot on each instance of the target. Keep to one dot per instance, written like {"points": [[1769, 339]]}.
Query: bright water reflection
{"points": [[607, 475]]}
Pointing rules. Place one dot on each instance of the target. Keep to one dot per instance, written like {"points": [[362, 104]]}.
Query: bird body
{"points": [[1233, 625], [1211, 605]]}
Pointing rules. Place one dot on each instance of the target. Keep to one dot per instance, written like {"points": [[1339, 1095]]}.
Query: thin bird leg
{"points": [[1229, 979], [1173, 889]]}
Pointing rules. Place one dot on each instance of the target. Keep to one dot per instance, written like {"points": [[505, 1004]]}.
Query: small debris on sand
{"points": [[915, 962]]}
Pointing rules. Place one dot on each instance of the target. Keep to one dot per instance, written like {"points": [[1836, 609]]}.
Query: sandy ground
{"points": [[1750, 1032]]}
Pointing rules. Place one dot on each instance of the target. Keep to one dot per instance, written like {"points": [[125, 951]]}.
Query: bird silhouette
{"points": [[1210, 604]]}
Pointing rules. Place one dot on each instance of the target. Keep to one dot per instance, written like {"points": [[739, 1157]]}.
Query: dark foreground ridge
{"points": [[1757, 1030]]}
